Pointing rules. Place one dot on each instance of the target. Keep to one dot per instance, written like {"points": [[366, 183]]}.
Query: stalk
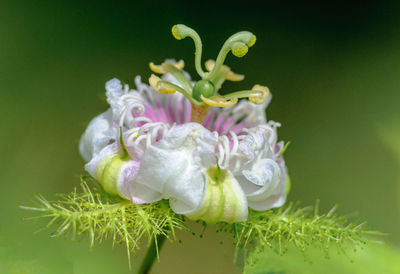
{"points": [[152, 254]]}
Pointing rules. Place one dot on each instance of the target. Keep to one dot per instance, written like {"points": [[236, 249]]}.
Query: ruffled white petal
{"points": [[261, 174], [173, 168], [98, 134]]}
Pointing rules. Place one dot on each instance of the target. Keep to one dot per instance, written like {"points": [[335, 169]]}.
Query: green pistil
{"points": [[180, 32], [220, 77], [211, 81], [238, 44]]}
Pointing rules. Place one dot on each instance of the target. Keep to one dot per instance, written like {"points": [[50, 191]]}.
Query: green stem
{"points": [[152, 254]]}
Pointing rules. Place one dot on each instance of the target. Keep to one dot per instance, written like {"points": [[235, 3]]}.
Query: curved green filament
{"points": [[179, 76], [219, 77], [243, 94], [180, 32], [238, 44]]}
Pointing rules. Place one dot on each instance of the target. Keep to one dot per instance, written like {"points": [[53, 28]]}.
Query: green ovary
{"points": [[223, 200], [203, 87]]}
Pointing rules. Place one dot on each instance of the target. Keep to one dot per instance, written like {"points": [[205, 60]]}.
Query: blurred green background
{"points": [[333, 69]]}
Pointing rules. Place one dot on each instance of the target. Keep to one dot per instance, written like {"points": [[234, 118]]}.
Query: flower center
{"points": [[205, 92]]}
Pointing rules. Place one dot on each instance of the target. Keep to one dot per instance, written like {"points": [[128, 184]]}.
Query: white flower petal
{"points": [[97, 135], [264, 185], [273, 201], [114, 89], [172, 168]]}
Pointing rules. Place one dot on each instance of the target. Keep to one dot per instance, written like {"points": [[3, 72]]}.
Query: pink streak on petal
{"points": [[170, 110], [209, 119], [138, 124], [131, 170], [188, 111], [179, 111], [149, 112], [161, 112], [137, 201], [218, 123], [238, 128], [226, 126], [278, 147], [230, 143]]}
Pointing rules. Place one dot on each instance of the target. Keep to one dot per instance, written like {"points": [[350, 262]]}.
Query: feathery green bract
{"points": [[293, 226], [102, 216], [302, 227]]}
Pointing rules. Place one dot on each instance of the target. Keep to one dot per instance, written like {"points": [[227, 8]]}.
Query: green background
{"points": [[333, 70]]}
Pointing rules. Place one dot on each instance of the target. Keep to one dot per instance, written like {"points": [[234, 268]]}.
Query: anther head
{"points": [[203, 87]]}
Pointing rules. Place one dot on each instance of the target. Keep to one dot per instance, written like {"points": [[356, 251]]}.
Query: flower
{"points": [[211, 155]]}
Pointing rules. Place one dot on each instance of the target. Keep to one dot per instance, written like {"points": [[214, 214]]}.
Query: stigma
{"points": [[206, 92]]}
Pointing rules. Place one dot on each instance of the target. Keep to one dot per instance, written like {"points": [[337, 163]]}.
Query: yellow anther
{"points": [[157, 68], [180, 64], [161, 69], [263, 95], [210, 64], [234, 77], [157, 84], [231, 76], [153, 81], [219, 101]]}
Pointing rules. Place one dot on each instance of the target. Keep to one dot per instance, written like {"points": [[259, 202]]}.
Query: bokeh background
{"points": [[333, 69]]}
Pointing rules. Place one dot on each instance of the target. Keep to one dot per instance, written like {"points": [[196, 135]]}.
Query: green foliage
{"points": [[101, 216]]}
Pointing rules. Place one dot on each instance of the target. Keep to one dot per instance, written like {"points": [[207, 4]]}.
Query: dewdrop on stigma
{"points": [[210, 154]]}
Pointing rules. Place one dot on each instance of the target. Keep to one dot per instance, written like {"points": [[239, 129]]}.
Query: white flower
{"points": [[211, 156], [212, 171]]}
